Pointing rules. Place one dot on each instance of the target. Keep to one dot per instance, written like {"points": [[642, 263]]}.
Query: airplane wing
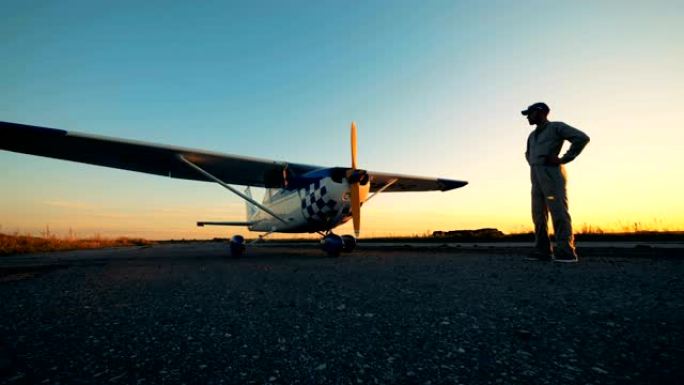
{"points": [[163, 160], [406, 183], [144, 157]]}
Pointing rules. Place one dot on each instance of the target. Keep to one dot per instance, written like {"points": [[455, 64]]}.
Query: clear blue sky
{"points": [[435, 86]]}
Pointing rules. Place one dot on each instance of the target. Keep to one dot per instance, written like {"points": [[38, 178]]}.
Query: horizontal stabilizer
{"points": [[224, 224]]}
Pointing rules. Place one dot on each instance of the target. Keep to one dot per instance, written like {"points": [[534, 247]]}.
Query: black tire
{"points": [[332, 244], [349, 243], [237, 246]]}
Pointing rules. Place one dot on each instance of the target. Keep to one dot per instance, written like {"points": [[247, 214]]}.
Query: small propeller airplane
{"points": [[299, 198]]}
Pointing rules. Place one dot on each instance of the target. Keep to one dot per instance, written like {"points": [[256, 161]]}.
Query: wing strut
{"points": [[234, 191], [207, 223], [383, 188]]}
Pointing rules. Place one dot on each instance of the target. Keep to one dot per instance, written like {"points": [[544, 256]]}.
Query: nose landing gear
{"points": [[349, 243]]}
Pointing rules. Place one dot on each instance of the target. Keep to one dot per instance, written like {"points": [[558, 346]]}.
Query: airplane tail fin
{"points": [[251, 209]]}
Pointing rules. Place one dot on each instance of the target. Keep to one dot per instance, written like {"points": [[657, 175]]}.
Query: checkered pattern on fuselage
{"points": [[317, 204]]}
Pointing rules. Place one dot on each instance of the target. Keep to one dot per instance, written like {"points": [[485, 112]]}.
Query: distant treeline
{"points": [[494, 235]]}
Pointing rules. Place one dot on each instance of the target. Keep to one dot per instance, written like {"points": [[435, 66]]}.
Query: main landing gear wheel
{"points": [[334, 244], [237, 246]]}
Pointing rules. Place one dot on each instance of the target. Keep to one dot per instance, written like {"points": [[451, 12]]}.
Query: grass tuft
{"points": [[21, 244]]}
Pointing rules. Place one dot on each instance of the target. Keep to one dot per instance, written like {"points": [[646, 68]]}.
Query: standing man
{"points": [[548, 182]]}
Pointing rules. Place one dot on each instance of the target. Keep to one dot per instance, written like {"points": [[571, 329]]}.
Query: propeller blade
{"points": [[356, 207], [355, 187], [353, 145]]}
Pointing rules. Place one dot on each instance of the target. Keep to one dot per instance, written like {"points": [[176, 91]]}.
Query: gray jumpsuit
{"points": [[548, 183]]}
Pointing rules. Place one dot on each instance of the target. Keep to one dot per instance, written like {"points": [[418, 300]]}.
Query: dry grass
{"points": [[19, 244]]}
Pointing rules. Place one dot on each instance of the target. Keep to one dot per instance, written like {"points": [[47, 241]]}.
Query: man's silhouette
{"points": [[548, 182]]}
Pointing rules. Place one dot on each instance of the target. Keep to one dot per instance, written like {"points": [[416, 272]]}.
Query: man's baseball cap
{"points": [[536, 107]]}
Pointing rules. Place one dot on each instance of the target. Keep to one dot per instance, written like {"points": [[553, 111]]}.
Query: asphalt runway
{"points": [[186, 313]]}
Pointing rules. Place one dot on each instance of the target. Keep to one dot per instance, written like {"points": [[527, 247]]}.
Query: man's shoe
{"points": [[537, 256], [565, 258]]}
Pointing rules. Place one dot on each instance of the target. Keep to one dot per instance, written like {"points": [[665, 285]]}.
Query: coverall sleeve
{"points": [[577, 138]]}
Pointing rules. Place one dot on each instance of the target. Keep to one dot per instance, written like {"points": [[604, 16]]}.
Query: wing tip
{"points": [[449, 184]]}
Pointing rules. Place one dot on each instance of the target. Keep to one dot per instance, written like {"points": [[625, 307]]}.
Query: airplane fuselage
{"points": [[320, 205]]}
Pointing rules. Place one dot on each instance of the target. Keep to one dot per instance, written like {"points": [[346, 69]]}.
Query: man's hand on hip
{"points": [[553, 160]]}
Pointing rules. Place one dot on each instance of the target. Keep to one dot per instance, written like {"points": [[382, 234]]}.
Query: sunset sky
{"points": [[436, 88]]}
